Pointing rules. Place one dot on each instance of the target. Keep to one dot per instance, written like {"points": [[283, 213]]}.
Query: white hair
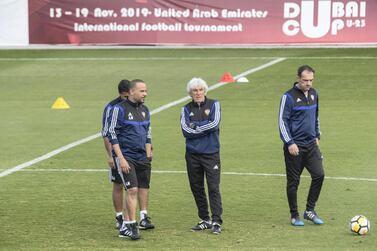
{"points": [[197, 82]]}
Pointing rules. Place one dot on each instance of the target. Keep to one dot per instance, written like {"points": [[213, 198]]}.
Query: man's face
{"points": [[198, 94], [305, 81], [139, 93]]}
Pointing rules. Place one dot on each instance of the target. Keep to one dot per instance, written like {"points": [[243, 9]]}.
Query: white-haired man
{"points": [[200, 121]]}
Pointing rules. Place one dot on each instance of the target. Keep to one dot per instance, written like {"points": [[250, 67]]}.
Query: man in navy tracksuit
{"points": [[117, 194], [130, 136], [299, 131], [200, 121]]}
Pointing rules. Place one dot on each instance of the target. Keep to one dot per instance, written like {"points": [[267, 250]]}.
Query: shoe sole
{"points": [[124, 236], [315, 223], [199, 230], [145, 228]]}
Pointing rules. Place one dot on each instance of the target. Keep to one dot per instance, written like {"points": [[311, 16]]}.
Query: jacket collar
{"points": [[298, 89], [201, 103], [132, 103]]}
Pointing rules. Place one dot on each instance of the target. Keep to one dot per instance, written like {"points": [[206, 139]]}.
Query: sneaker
{"points": [[125, 231], [312, 216], [118, 222], [216, 228], [297, 222], [146, 223], [134, 231], [202, 225]]}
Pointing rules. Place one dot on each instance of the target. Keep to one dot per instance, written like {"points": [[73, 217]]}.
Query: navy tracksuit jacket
{"points": [[129, 126], [298, 117]]}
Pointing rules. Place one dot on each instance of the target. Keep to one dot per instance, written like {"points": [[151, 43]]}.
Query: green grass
{"points": [[47, 210]]}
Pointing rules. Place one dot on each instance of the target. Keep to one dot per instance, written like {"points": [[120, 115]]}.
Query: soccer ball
{"points": [[359, 225]]}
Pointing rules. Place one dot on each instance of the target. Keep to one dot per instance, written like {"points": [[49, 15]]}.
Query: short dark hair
{"points": [[134, 82], [304, 68], [124, 86]]}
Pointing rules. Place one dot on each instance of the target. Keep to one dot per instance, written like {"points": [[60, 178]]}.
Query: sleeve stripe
{"points": [[105, 128], [318, 124], [216, 121], [183, 123], [114, 119], [149, 134], [283, 130]]}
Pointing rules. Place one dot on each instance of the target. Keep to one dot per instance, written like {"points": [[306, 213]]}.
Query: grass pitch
{"points": [[64, 203]]}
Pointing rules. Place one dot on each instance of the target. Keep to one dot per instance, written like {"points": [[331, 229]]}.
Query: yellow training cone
{"points": [[60, 104]]}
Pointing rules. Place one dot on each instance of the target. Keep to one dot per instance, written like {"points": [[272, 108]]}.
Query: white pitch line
{"points": [[184, 172], [157, 110], [48, 155]]}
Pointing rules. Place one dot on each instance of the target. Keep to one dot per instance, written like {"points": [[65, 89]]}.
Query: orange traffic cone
{"points": [[227, 78]]}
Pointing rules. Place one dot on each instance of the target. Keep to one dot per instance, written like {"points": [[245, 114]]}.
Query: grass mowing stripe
{"points": [[184, 172], [174, 58], [157, 110], [133, 59]]}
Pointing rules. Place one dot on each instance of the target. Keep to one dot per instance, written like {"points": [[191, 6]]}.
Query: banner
{"points": [[202, 22]]}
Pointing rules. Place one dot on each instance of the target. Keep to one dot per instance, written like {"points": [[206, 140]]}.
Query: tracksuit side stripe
{"points": [[117, 163], [283, 130]]}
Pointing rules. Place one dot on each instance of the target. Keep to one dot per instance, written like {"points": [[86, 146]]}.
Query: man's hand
{"points": [[110, 162], [317, 141], [293, 150], [124, 165], [122, 161], [149, 150]]}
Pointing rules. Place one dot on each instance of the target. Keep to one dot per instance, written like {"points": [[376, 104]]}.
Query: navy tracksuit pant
{"points": [[208, 166], [311, 158]]}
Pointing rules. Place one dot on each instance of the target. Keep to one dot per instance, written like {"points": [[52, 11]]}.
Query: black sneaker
{"points": [[146, 223], [134, 231], [312, 216], [202, 225], [216, 228], [118, 222], [125, 231]]}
